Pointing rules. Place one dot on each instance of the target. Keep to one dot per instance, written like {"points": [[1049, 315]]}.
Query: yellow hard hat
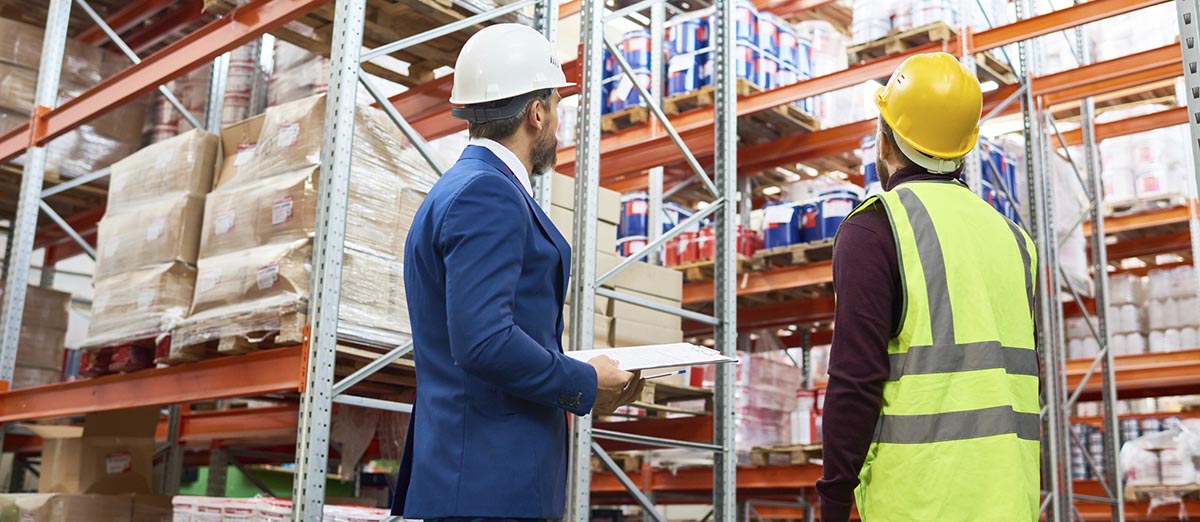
{"points": [[932, 103]]}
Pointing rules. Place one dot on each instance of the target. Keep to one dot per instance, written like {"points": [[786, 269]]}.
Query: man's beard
{"points": [[545, 153]]}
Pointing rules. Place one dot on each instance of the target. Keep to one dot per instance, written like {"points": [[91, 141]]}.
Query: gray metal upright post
{"points": [[583, 257], [1189, 40], [24, 226], [546, 22], [1112, 432], [1056, 457], [725, 285], [658, 22], [316, 401], [218, 472]]}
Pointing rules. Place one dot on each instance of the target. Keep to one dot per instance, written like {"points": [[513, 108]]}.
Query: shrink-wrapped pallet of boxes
{"points": [[148, 241], [89, 147], [254, 267], [43, 336]]}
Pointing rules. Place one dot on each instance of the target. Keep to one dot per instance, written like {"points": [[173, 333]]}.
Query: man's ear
{"points": [[536, 113]]}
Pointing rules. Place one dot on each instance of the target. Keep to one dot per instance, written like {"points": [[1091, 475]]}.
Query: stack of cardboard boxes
{"points": [[148, 240], [618, 323], [103, 470], [259, 222], [43, 334], [90, 147]]}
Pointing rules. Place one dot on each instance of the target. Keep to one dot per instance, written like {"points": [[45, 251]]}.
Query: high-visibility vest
{"points": [[958, 432]]}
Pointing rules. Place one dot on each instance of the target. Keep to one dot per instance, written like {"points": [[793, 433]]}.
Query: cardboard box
{"points": [[283, 208], [113, 453], [601, 332], [562, 193], [564, 220], [139, 304], [184, 163], [648, 279], [26, 376], [276, 271], [626, 332], [57, 507], [623, 310], [45, 308], [41, 348], [150, 232], [238, 143]]}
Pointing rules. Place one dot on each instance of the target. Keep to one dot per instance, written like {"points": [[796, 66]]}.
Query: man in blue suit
{"points": [[485, 273]]}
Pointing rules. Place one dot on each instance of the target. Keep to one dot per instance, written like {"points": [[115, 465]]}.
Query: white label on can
{"points": [[224, 221], [145, 299], [837, 208], [681, 63], [208, 280], [245, 153], [289, 133], [281, 211], [118, 463], [778, 214], [624, 87], [155, 229], [639, 207], [268, 276]]}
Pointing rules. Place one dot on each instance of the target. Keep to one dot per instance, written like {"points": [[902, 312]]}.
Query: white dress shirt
{"points": [[509, 159]]}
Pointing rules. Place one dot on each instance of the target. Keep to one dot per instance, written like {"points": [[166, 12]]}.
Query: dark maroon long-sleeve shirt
{"points": [[866, 277]]}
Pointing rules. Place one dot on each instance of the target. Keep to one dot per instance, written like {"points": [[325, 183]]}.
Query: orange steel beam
{"points": [[197, 48], [1143, 375], [1098, 422], [773, 315], [240, 423], [166, 27], [758, 282], [785, 8], [751, 481], [1124, 81], [690, 429], [268, 371], [124, 19], [1134, 125], [1066, 18], [1150, 245], [570, 8], [1141, 220], [1107, 70]]}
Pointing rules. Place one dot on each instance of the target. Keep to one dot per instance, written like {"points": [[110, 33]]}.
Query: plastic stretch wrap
{"points": [[1163, 458], [140, 304], [248, 291], [180, 164], [261, 509], [149, 232], [297, 74], [283, 208], [291, 139], [766, 396]]}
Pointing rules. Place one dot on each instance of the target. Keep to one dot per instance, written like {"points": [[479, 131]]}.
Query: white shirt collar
{"points": [[509, 159]]}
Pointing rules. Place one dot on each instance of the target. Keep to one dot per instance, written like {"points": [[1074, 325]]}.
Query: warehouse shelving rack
{"points": [[621, 157]]}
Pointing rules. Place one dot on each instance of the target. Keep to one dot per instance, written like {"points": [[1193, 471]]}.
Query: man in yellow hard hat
{"points": [[931, 411]]}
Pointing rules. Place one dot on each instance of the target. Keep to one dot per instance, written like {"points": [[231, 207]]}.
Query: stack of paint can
{"points": [[634, 228], [870, 172], [635, 48], [780, 224], [825, 48], [766, 43], [872, 20], [1095, 446], [745, 56], [1079, 467], [609, 75], [833, 206], [999, 173], [687, 54]]}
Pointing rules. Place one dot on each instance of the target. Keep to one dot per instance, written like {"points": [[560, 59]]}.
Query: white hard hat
{"points": [[504, 61]]}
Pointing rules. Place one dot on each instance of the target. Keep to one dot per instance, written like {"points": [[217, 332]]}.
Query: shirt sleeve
{"points": [[483, 243], [866, 280]]}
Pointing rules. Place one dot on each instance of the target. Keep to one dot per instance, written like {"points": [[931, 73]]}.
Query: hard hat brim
{"points": [[459, 100]]}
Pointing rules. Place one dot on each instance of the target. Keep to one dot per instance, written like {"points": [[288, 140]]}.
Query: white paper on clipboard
{"points": [[653, 356]]}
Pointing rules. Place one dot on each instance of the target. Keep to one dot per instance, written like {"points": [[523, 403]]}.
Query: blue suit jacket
{"points": [[485, 273]]}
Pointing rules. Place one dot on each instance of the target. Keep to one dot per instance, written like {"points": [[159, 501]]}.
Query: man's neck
{"points": [[521, 149]]}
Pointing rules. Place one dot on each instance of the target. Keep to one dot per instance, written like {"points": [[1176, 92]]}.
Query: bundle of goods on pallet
{"points": [[694, 246], [216, 509], [1145, 170], [58, 507], [40, 349], [801, 228], [1155, 462], [89, 147], [876, 19], [1150, 314], [253, 272], [765, 395], [770, 53]]}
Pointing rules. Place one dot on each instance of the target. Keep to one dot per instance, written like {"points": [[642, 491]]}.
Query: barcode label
{"points": [[268, 276], [281, 211], [289, 133]]}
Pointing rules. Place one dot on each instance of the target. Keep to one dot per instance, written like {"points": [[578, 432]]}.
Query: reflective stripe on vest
{"points": [[957, 437]]}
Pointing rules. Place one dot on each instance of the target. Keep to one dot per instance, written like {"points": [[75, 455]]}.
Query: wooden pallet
{"points": [[990, 68], [387, 21], [759, 127], [705, 269], [797, 254], [1118, 207], [846, 162], [627, 117], [182, 350], [122, 358], [628, 461], [1145, 493], [899, 42], [660, 399], [790, 455]]}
